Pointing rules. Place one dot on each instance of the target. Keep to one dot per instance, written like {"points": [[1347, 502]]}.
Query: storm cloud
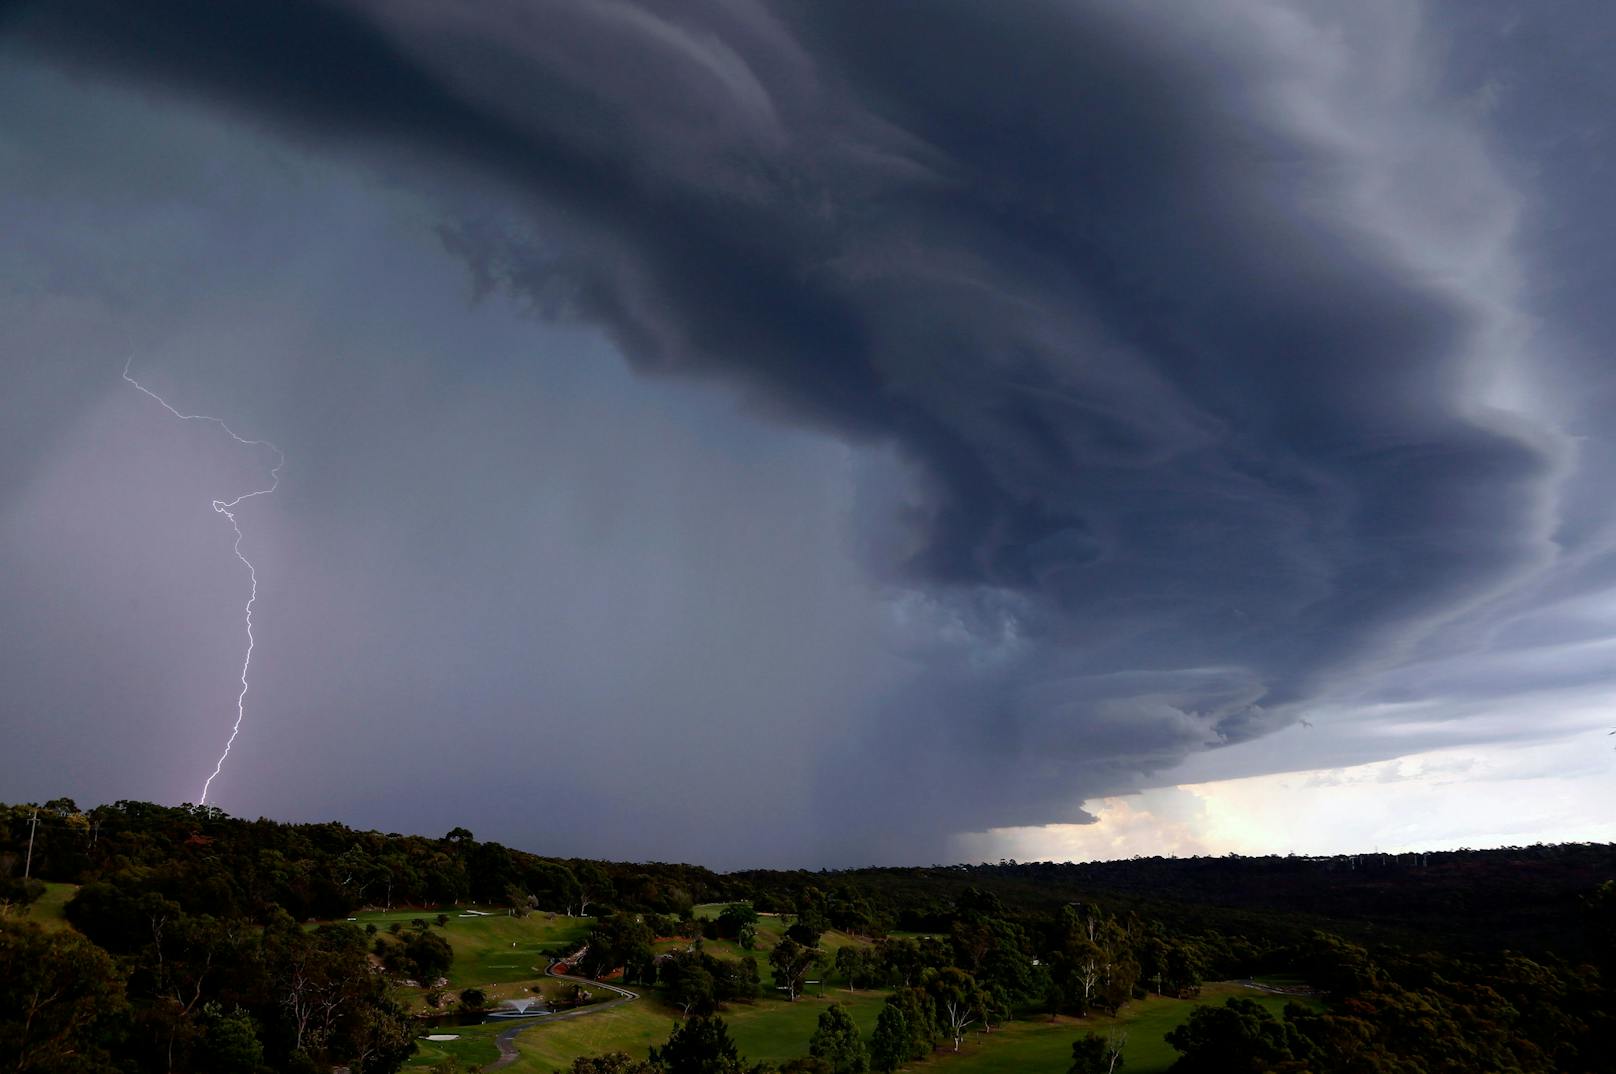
{"points": [[1028, 396]]}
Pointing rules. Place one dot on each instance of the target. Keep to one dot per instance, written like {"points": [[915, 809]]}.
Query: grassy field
{"points": [[500, 954], [475, 1048], [632, 1028], [50, 909], [1041, 1045], [707, 911], [496, 948], [776, 1030], [770, 930], [771, 1029], [1281, 980]]}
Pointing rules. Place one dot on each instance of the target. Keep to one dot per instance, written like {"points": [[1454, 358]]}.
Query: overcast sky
{"points": [[817, 433]]}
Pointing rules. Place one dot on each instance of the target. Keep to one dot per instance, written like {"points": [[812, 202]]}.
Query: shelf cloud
{"points": [[1080, 387]]}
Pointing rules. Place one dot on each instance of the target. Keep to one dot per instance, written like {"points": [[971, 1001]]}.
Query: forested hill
{"points": [[1523, 898], [180, 939]]}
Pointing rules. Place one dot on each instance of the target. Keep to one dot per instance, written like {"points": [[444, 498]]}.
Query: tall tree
{"points": [[920, 1016], [958, 1000], [850, 963], [791, 962], [690, 985], [61, 1002], [230, 1042], [838, 1043], [891, 1043], [698, 1046], [1236, 1037], [594, 885], [733, 918], [1094, 1054]]}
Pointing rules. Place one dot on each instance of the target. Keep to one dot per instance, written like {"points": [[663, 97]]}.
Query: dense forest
{"points": [[201, 942]]}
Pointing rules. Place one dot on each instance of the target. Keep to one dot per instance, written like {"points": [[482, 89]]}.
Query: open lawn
{"points": [[475, 1048], [501, 954], [1282, 980], [498, 950], [770, 930], [49, 910], [766, 942], [632, 1028], [1043, 1046], [776, 1030], [771, 1029], [707, 911]]}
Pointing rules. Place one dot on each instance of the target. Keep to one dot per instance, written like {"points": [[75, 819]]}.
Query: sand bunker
{"points": [[443, 1036]]}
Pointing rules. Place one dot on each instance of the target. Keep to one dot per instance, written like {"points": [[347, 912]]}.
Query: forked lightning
{"points": [[226, 508]]}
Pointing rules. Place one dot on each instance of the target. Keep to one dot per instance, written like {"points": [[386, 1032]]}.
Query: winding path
{"points": [[506, 1039]]}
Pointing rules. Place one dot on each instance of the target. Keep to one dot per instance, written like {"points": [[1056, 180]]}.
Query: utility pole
{"points": [[28, 864]]}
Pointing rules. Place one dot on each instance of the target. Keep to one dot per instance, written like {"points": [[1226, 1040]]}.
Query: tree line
{"points": [[192, 950]]}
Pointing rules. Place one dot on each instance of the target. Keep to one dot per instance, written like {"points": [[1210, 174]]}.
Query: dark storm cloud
{"points": [[1173, 320]]}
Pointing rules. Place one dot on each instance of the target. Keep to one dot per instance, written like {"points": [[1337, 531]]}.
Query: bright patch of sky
{"points": [[1487, 796]]}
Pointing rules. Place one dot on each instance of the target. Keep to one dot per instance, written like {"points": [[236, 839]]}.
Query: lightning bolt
{"points": [[226, 508]]}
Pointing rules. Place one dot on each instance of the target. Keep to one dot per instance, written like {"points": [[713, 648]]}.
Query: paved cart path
{"points": [[507, 1038]]}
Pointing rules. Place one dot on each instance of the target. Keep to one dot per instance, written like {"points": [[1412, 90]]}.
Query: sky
{"points": [[762, 433]]}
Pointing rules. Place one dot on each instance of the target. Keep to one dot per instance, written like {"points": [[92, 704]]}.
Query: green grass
{"points": [[771, 929], [771, 1029], [632, 1028], [475, 1047], [1041, 1045], [50, 909], [1281, 980], [499, 950], [501, 954], [767, 938], [775, 1030]]}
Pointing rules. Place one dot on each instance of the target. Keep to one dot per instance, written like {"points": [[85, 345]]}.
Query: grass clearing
{"points": [[709, 911], [475, 1047], [830, 942], [772, 1029], [1042, 1045], [776, 1030], [499, 953], [1282, 980], [49, 911], [632, 1028], [501, 950]]}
